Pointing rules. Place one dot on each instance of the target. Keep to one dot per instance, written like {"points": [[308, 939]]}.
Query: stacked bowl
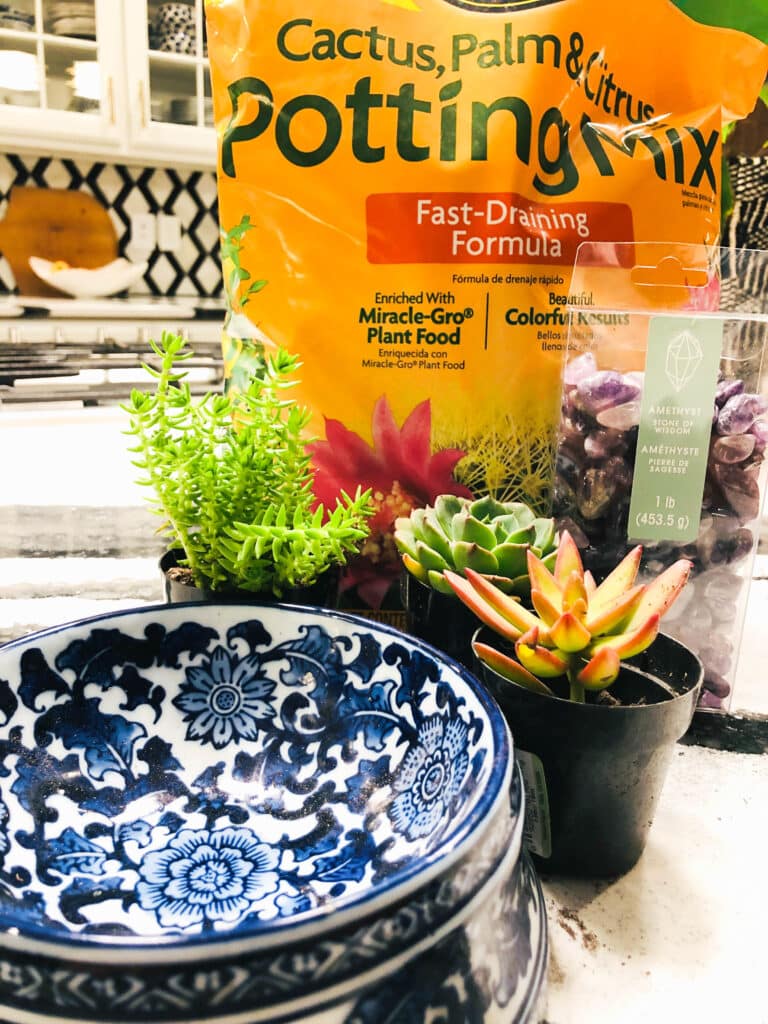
{"points": [[14, 18], [231, 814], [72, 18]]}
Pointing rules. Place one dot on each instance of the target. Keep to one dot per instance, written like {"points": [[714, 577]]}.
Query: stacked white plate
{"points": [[73, 18], [13, 18]]}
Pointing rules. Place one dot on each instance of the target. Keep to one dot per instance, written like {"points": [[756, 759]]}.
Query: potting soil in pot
{"points": [[403, 185]]}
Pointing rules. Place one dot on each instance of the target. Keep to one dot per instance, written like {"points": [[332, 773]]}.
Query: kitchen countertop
{"points": [[132, 307], [9, 308], [680, 937]]}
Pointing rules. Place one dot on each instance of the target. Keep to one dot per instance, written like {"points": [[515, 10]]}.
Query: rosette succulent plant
{"points": [[578, 629], [490, 537]]}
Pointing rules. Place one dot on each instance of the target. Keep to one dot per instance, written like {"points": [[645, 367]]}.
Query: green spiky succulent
{"points": [[577, 630], [488, 536], [232, 479]]}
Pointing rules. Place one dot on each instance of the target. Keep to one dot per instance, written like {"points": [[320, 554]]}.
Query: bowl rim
{"points": [[318, 922]]}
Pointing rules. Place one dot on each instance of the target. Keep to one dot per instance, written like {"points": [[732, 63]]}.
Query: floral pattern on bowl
{"points": [[192, 776], [288, 981]]}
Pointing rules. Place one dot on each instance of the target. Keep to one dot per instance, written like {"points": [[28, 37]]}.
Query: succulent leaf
{"points": [[438, 582], [661, 592], [416, 519], [568, 560], [414, 567], [589, 583], [487, 508], [543, 580], [540, 660], [601, 670], [472, 531], [579, 610], [512, 559], [506, 585], [405, 542], [546, 611], [569, 634], [574, 591], [618, 581], [544, 530], [549, 560], [610, 617], [627, 645], [509, 668], [522, 512], [404, 523], [446, 507], [508, 529], [482, 609], [429, 558], [433, 534], [505, 605], [466, 555]]}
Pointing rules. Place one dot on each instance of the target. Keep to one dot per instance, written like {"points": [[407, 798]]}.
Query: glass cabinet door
{"points": [[170, 91], [51, 60], [178, 62], [105, 76]]}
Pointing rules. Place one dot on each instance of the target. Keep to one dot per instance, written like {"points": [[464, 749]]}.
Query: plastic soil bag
{"points": [[664, 429], [403, 185]]}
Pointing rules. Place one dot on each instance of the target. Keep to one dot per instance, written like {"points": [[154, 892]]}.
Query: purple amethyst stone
{"points": [[605, 389], [739, 413], [579, 368], [727, 389]]}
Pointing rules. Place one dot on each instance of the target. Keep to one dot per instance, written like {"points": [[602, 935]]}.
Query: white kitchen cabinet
{"points": [[59, 76], [169, 103], [105, 78]]}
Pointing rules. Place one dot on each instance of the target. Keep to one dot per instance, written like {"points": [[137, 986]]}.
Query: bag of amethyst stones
{"points": [[664, 427]]}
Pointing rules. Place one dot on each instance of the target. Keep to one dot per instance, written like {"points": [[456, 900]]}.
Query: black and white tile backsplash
{"points": [[193, 269]]}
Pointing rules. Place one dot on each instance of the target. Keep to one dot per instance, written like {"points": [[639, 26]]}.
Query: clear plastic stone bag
{"points": [[664, 426]]}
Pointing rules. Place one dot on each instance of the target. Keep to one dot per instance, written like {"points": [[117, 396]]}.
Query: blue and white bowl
{"points": [[243, 813]]}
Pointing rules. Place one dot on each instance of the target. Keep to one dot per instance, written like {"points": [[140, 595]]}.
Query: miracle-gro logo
{"points": [[497, 6]]}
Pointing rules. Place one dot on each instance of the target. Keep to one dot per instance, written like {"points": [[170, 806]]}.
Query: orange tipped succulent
{"points": [[577, 629]]}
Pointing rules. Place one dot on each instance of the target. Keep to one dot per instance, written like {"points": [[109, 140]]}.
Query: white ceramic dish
{"points": [[77, 26], [110, 279]]}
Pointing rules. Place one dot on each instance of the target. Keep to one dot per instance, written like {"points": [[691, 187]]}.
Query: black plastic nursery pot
{"points": [[439, 619], [594, 772], [323, 593]]}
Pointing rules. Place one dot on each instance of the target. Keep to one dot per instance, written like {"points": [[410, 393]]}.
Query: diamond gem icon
{"points": [[684, 356]]}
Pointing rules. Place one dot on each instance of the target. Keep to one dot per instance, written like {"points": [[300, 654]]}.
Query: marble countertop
{"points": [[680, 937]]}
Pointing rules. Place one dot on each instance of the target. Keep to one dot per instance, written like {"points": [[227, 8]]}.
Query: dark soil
{"points": [[181, 575], [567, 919]]}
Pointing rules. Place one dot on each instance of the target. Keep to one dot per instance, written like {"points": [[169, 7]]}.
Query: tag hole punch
{"points": [[670, 272]]}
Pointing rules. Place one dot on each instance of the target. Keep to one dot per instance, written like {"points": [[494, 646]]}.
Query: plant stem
{"points": [[576, 688]]}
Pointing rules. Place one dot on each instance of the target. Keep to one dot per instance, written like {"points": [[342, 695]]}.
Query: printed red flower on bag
{"points": [[403, 474]]}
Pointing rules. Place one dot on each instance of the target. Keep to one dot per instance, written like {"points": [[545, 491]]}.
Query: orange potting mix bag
{"points": [[403, 185]]}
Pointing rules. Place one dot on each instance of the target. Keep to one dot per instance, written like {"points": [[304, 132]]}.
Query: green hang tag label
{"points": [[681, 368]]}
